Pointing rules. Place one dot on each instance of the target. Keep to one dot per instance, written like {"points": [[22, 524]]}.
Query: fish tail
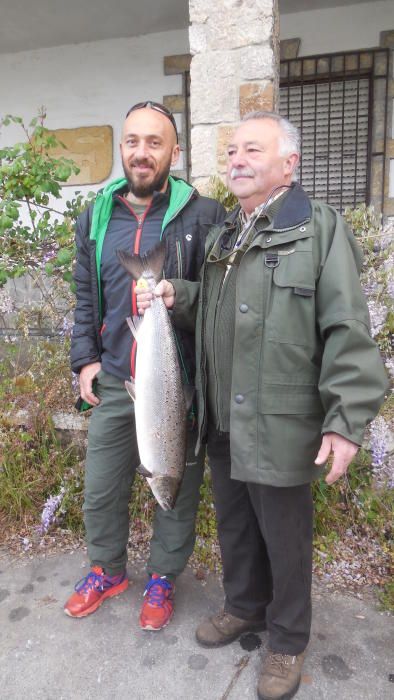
{"points": [[152, 262]]}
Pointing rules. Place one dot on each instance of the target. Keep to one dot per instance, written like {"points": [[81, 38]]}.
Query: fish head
{"points": [[165, 490]]}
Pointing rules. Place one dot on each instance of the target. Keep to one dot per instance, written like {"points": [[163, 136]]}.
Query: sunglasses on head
{"points": [[158, 108]]}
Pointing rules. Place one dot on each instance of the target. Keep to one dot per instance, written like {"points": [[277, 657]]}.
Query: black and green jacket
{"points": [[186, 221]]}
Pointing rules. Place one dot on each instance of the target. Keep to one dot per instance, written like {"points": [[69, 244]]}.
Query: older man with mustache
{"points": [[287, 376]]}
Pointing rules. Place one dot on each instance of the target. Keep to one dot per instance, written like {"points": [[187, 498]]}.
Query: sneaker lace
{"points": [[96, 578], [92, 580], [156, 590]]}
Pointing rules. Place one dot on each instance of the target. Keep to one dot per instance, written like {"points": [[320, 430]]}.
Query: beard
{"points": [[139, 187]]}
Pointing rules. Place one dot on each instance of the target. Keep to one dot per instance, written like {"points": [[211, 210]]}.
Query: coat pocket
{"points": [[290, 398], [292, 315]]}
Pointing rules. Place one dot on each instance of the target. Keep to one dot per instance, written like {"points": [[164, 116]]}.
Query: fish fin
{"points": [[143, 471], [132, 263], [134, 324], [154, 260], [130, 386], [137, 264], [188, 392]]}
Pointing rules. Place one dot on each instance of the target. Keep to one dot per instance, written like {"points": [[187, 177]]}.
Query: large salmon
{"points": [[161, 401]]}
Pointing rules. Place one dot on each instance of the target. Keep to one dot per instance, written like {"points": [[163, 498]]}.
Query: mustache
{"points": [[142, 161], [241, 172]]}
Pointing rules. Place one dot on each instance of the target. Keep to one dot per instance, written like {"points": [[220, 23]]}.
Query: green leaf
{"points": [[67, 276], [64, 257]]}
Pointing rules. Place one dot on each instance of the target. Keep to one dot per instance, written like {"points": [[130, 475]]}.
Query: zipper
{"points": [[136, 251], [179, 257]]}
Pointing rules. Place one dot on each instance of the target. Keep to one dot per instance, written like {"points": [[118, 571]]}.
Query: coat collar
{"points": [[295, 210]]}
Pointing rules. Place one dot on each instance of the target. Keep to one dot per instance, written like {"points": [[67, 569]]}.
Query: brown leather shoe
{"points": [[281, 676], [224, 628]]}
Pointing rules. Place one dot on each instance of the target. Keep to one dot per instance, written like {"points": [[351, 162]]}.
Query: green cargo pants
{"points": [[111, 461]]}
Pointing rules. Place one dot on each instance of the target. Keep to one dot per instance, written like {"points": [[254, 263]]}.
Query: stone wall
{"points": [[234, 70]]}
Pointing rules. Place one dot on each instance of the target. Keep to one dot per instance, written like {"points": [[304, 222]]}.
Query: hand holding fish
{"points": [[144, 297]]}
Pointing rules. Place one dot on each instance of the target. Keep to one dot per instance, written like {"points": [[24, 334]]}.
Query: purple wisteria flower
{"points": [[66, 328], [390, 366], [378, 314], [48, 256], [75, 381], [6, 303], [389, 268], [48, 515], [379, 437]]}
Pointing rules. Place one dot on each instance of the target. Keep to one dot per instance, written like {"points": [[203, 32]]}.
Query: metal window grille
{"points": [[336, 101]]}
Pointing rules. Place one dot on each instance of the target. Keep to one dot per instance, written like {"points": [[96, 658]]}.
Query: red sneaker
{"points": [[158, 607], [91, 591]]}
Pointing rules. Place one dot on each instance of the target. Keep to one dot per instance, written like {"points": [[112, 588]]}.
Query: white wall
{"points": [[338, 28], [88, 84]]}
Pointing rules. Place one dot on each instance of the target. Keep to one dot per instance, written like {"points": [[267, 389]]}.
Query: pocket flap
{"points": [[296, 270]]}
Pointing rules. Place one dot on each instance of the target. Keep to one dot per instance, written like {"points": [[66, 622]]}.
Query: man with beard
{"points": [[132, 213]]}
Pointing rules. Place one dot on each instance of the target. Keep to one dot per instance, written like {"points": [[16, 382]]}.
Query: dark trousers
{"points": [[111, 461], [265, 536]]}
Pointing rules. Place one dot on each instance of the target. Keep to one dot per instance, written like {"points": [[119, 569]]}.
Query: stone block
{"points": [[204, 11], [376, 182], [203, 155], [224, 30], [176, 64], [198, 38], [254, 96], [202, 184], [224, 135], [214, 89], [386, 39], [256, 62], [175, 103], [389, 207], [289, 48]]}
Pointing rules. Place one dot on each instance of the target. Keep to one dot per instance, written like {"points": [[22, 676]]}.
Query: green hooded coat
{"points": [[304, 363]]}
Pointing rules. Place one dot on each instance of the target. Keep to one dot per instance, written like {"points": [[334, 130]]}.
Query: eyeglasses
{"points": [[158, 108]]}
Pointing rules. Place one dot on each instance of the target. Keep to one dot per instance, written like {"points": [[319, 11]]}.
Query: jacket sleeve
{"points": [[184, 312], [353, 380], [84, 349]]}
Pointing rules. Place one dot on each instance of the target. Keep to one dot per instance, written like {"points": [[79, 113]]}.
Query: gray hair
{"points": [[290, 141]]}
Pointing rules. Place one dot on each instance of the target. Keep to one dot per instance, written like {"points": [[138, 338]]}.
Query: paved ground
{"points": [[45, 655]]}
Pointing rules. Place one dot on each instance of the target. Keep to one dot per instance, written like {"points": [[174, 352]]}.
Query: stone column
{"points": [[234, 70]]}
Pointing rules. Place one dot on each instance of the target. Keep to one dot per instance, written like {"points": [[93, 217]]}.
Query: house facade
{"points": [[326, 65]]}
